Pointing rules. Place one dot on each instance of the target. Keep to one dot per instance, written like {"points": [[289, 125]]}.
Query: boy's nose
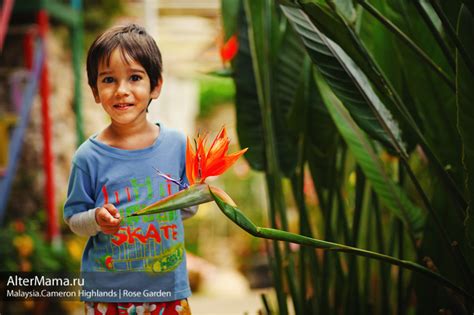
{"points": [[122, 89]]}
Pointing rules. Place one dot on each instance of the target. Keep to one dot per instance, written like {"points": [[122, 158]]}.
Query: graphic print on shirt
{"points": [[152, 243]]}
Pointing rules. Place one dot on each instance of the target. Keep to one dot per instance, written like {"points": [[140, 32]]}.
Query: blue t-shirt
{"points": [[145, 260]]}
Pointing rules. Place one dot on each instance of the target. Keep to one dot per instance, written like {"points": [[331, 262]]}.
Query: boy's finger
{"points": [[109, 220], [114, 221], [112, 210], [104, 218], [113, 224]]}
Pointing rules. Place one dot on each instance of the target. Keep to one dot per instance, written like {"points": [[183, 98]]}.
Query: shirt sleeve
{"points": [[84, 223], [80, 195]]}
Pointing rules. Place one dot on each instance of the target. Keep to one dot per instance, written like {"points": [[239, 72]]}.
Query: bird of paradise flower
{"points": [[202, 163]]}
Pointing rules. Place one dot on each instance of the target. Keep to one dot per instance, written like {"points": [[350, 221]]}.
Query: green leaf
{"points": [[230, 10], [465, 101], [267, 74], [427, 98], [347, 81], [249, 117], [390, 194], [288, 76], [346, 9], [310, 119]]}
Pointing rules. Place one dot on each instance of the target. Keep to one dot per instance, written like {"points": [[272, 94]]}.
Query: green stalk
{"points": [[451, 32], [277, 263], [236, 216], [265, 304], [455, 250], [297, 184], [353, 277], [436, 34], [264, 87], [400, 288], [327, 211], [308, 261], [359, 201], [341, 231], [342, 219], [385, 300], [319, 271], [307, 255], [367, 290], [341, 284], [404, 38]]}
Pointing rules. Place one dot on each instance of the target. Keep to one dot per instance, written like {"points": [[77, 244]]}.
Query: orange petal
{"points": [[190, 158], [221, 135], [200, 159], [219, 147], [220, 166], [229, 49], [218, 151]]}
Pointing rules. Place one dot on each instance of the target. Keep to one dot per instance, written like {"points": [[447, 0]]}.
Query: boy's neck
{"points": [[134, 137]]}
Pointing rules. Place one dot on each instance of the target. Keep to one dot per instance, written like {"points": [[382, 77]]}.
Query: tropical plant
{"points": [[373, 100]]}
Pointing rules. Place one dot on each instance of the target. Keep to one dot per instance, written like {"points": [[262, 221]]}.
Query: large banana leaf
{"points": [[230, 12], [337, 29], [347, 81], [249, 117], [266, 81], [465, 102], [342, 29], [310, 119], [390, 194], [325, 18], [427, 97]]}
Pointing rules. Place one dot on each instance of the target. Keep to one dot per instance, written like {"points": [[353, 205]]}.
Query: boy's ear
{"points": [[156, 90], [96, 95]]}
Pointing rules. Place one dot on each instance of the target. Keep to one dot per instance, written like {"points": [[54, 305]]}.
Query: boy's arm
{"points": [[105, 219], [84, 223]]}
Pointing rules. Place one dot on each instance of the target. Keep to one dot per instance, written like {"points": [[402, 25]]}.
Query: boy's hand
{"points": [[108, 218]]}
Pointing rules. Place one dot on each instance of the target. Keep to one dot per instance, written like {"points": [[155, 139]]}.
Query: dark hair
{"points": [[134, 42]]}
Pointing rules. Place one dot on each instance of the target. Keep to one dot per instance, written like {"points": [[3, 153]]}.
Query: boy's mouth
{"points": [[122, 106]]}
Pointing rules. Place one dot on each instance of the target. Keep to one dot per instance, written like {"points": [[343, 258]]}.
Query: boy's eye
{"points": [[108, 80], [135, 77]]}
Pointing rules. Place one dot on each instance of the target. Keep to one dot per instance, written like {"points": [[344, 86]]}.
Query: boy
{"points": [[137, 264]]}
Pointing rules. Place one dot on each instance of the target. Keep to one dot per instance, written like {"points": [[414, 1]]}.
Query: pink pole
{"points": [[48, 158], [4, 19]]}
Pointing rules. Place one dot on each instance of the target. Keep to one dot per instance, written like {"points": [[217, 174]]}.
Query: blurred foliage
{"points": [[214, 91], [98, 15], [25, 249]]}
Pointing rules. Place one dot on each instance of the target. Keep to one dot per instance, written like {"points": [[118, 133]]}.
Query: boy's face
{"points": [[123, 89]]}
